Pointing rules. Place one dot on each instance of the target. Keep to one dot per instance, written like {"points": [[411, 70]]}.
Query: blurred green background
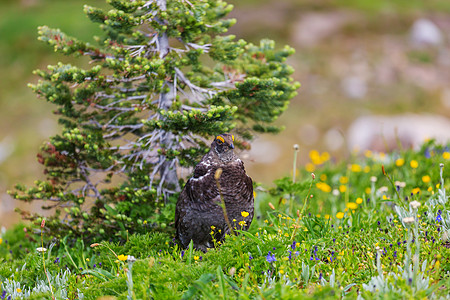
{"points": [[355, 59]]}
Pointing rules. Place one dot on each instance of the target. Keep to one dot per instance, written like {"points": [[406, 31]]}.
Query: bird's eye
{"points": [[220, 140]]}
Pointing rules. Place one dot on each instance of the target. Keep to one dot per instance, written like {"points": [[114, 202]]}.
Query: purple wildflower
{"points": [[270, 257], [294, 243]]}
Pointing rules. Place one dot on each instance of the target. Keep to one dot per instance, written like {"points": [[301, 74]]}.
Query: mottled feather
{"points": [[198, 207]]}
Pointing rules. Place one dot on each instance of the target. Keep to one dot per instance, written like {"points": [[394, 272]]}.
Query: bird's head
{"points": [[223, 144]]}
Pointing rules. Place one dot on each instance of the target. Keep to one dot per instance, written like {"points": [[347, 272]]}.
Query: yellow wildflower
{"points": [[368, 153], [414, 164], [254, 194], [327, 217], [343, 179], [1, 241], [122, 257], [242, 223], [244, 214], [323, 177], [355, 168], [366, 169], [310, 167], [323, 187], [446, 155], [340, 215], [399, 162], [196, 257], [368, 190], [430, 189], [314, 155], [352, 205], [19, 290], [416, 190], [359, 200], [325, 156], [426, 178], [342, 188]]}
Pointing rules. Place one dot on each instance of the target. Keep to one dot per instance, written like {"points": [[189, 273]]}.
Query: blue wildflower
{"points": [[294, 243], [270, 257], [438, 218]]}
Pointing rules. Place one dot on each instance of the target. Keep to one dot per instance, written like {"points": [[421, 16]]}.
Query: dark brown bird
{"points": [[198, 211]]}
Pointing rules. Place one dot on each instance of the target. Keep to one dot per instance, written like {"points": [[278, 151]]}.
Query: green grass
{"points": [[327, 250]]}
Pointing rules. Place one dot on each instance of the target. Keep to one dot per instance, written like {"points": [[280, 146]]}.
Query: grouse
{"points": [[199, 215]]}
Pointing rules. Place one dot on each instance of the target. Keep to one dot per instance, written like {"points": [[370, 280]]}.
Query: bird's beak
{"points": [[231, 146]]}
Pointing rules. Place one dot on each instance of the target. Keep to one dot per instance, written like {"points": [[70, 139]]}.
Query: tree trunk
{"points": [[167, 172]]}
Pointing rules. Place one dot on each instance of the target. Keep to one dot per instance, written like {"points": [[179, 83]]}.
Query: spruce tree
{"points": [[163, 79]]}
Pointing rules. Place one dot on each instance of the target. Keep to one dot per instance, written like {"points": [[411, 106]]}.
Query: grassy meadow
{"points": [[371, 227]]}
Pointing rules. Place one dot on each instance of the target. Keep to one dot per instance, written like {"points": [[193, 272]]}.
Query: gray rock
{"points": [[425, 32]]}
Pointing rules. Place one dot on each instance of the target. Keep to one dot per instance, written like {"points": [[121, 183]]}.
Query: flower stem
{"points": [[43, 259]]}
